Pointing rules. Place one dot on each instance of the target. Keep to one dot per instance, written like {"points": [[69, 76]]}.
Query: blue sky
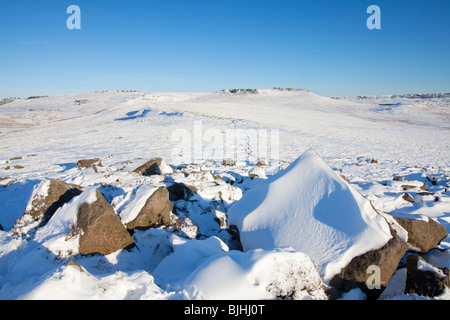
{"points": [[204, 46]]}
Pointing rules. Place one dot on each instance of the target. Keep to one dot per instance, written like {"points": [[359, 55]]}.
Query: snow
{"points": [[135, 205], [309, 208], [407, 134], [256, 275]]}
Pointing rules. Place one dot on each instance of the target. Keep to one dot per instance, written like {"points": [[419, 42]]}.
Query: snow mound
{"points": [[309, 208], [256, 275]]}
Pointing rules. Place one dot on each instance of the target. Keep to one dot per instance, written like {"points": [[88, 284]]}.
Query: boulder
{"points": [[155, 166], [356, 274], [228, 162], [180, 191], [154, 213], [1, 228], [424, 233], [86, 163], [311, 209], [407, 197], [423, 278], [100, 228], [48, 196], [257, 172], [261, 163]]}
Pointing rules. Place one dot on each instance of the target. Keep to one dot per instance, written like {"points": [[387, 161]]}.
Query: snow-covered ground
{"points": [[368, 140]]}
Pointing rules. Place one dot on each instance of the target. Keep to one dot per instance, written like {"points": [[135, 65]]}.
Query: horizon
{"points": [[217, 91], [174, 46]]}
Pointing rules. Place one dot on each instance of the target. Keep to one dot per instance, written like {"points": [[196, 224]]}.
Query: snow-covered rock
{"points": [[309, 208]]}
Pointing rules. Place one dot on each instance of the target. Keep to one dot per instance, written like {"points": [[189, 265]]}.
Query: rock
{"points": [[76, 265], [48, 196], [101, 229], [86, 163], [228, 162], [407, 187], [424, 233], [155, 212], [261, 163], [180, 191], [357, 272], [154, 166], [407, 197], [1, 228], [423, 186], [373, 161], [423, 278]]}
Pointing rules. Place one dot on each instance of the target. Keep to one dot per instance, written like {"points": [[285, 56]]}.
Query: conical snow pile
{"points": [[311, 209]]}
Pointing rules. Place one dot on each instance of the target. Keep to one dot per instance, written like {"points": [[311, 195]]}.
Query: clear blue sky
{"points": [[208, 45]]}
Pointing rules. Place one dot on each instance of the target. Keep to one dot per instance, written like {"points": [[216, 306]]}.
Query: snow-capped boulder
{"points": [[424, 233], [86, 163], [257, 172], [47, 197], [150, 207], [85, 225], [154, 166], [311, 209], [100, 229], [373, 268]]}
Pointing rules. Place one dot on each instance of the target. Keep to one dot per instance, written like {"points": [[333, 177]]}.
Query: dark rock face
{"points": [[423, 282], [356, 273], [156, 211], [102, 230], [423, 235]]}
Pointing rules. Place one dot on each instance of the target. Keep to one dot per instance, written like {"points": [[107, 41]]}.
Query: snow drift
{"points": [[309, 208]]}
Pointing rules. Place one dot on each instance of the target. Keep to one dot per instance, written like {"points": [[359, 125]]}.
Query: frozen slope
{"points": [[309, 208]]}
